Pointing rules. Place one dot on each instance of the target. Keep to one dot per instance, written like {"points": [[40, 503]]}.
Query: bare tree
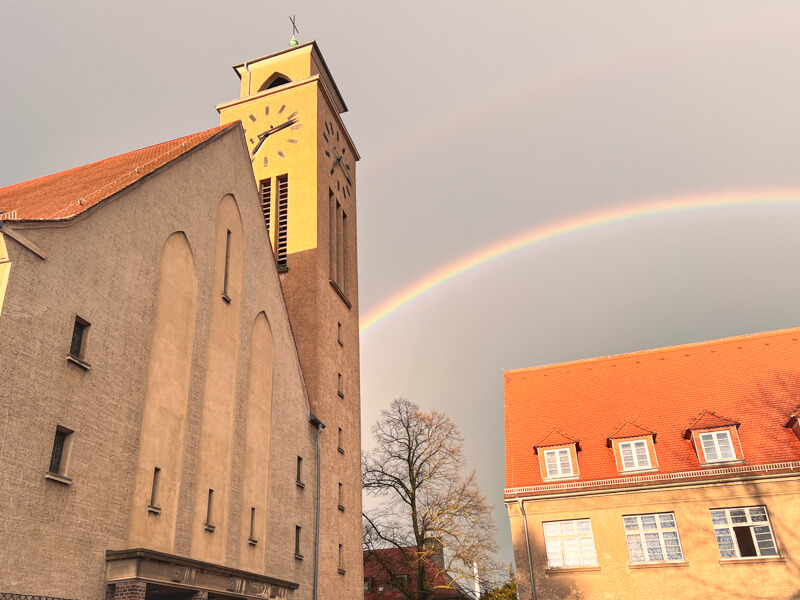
{"points": [[431, 515]]}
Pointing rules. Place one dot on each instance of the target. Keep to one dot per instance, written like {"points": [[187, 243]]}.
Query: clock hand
{"points": [[341, 166], [264, 135]]}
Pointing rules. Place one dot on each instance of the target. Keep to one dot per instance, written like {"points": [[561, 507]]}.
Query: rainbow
{"points": [[567, 227]]}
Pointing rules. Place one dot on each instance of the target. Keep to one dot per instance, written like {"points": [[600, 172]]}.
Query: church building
{"points": [[179, 359]]}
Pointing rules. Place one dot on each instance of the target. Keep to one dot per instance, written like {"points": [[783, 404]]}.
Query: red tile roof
{"points": [[63, 195], [754, 379]]}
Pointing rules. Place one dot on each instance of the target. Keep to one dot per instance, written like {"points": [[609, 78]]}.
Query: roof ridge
{"points": [[625, 355]]}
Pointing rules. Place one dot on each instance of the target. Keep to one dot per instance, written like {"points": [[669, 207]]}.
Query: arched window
{"points": [[274, 81]]}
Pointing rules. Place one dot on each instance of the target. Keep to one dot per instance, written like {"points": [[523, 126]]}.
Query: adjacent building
{"points": [[388, 575], [179, 391], [665, 473]]}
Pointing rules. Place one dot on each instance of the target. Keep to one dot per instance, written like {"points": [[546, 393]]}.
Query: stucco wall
{"points": [[702, 575], [104, 267]]}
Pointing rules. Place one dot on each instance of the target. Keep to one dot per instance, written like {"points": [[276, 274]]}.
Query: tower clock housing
{"points": [[304, 163]]}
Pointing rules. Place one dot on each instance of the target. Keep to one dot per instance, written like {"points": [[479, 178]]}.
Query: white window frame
{"points": [[559, 473], [723, 522], [632, 445], [638, 532], [561, 537], [717, 449]]}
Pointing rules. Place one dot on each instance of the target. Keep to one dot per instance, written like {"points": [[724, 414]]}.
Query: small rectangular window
{"points": [[80, 335], [297, 553], [743, 532], [634, 455], [341, 559], [209, 524], [299, 479], [569, 544], [652, 538], [717, 446], [59, 455], [253, 541], [339, 334], [558, 463], [339, 385], [155, 489]]}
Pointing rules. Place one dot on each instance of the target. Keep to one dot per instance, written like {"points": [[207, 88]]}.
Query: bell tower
{"points": [[304, 164]]}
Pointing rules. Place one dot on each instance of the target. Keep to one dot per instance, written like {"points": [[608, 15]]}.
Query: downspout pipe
{"points": [[528, 547], [320, 426]]}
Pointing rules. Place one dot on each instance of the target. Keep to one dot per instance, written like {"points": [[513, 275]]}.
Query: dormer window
{"points": [[558, 456], [634, 448], [715, 439], [558, 463], [717, 446], [634, 455]]}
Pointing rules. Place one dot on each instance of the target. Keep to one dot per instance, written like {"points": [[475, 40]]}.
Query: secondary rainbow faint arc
{"points": [[567, 227]]}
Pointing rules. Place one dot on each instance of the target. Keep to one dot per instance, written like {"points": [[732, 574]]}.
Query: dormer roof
{"points": [[629, 429], [709, 420], [555, 438]]}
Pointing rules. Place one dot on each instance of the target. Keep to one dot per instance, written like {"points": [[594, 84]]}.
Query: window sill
{"points": [[209, 527], [341, 343], [300, 484], [638, 471], [298, 557], [341, 571], [341, 508], [755, 559], [341, 450], [722, 463], [77, 361], [561, 479], [226, 298], [252, 542], [156, 510], [658, 565], [283, 269], [58, 478], [341, 394], [572, 570], [339, 291]]}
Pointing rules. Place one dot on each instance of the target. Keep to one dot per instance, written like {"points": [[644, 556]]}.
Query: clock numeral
{"points": [[325, 136], [337, 136], [292, 141], [266, 111], [293, 115], [298, 126], [281, 154], [337, 185], [282, 108], [252, 118], [266, 161], [328, 154]]}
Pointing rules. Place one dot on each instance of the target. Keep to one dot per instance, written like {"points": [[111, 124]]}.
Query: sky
{"points": [[479, 123]]}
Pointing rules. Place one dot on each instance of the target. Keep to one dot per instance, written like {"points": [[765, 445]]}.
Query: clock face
{"points": [[339, 159], [271, 133]]}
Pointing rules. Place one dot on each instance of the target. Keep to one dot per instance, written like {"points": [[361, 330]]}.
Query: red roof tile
{"points": [[63, 195], [754, 378]]}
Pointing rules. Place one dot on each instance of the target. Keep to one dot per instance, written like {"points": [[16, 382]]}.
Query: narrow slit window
{"points": [[341, 497], [340, 441], [297, 553], [252, 539], [282, 230], [332, 236], [80, 334], [300, 471], [339, 334], [266, 202], [60, 451], [343, 274], [339, 387], [339, 251], [155, 488], [209, 524], [225, 290], [341, 559]]}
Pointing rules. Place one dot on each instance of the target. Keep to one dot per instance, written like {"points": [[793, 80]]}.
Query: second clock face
{"points": [[338, 159], [271, 133]]}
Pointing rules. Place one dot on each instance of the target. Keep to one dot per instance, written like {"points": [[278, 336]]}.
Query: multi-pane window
{"points": [[58, 455], [266, 201], [569, 544], [634, 455], [558, 463], [282, 229], [717, 446], [743, 532], [367, 584], [80, 333], [652, 538]]}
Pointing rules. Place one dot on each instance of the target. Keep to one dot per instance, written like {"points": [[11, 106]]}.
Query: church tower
{"points": [[304, 163]]}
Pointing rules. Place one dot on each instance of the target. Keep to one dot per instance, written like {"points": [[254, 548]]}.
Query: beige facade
{"points": [[187, 442], [701, 574]]}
